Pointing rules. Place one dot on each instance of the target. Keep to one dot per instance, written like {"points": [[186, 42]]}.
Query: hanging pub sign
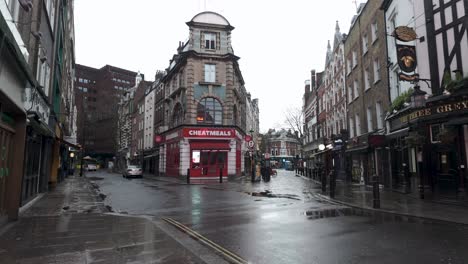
{"points": [[408, 78], [406, 58], [404, 33], [407, 62]]}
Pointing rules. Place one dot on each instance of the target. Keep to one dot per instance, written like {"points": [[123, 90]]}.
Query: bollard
{"points": [[221, 175], [324, 181], [253, 174], [188, 176], [376, 191], [332, 183]]}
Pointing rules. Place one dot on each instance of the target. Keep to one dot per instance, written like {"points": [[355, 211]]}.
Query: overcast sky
{"points": [[279, 42]]}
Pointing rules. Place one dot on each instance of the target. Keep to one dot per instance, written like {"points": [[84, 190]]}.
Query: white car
{"points": [[91, 167], [133, 171]]}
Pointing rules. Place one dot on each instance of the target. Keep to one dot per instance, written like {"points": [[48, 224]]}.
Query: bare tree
{"points": [[294, 120]]}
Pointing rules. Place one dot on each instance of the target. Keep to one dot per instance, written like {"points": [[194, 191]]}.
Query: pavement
{"points": [[351, 195], [70, 224], [407, 205]]}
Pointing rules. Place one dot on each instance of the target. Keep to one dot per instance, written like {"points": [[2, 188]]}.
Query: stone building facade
{"points": [[205, 104]]}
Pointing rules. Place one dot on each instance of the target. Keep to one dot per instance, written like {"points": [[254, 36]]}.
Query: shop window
{"points": [[209, 111], [436, 130], [195, 159]]}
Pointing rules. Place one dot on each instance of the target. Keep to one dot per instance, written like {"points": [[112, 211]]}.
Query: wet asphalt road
{"points": [[276, 230]]}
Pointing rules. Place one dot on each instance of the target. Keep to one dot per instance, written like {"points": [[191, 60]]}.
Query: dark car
{"points": [[133, 171]]}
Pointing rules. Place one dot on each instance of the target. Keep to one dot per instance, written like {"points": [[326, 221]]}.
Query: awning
{"points": [[210, 145], [69, 143], [152, 155], [41, 127], [358, 149], [398, 133], [457, 121]]}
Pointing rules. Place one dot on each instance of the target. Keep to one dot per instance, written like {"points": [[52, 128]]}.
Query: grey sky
{"points": [[279, 42]]}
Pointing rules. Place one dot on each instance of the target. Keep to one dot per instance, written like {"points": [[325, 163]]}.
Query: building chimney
{"points": [[313, 79]]}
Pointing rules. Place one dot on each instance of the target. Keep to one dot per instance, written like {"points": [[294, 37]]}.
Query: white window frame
{"points": [[355, 63], [365, 44], [13, 7], [210, 38], [351, 127], [349, 66], [379, 114], [210, 73], [374, 31], [358, 125], [367, 85], [370, 125], [350, 94], [356, 89], [376, 70], [441, 126]]}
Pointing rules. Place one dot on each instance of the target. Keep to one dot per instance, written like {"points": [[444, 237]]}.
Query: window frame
{"points": [[210, 39], [210, 73], [209, 107]]}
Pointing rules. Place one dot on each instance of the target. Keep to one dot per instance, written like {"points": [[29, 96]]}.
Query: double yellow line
{"points": [[231, 257]]}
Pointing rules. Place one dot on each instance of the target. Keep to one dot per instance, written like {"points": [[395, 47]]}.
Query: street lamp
{"points": [[418, 97]]}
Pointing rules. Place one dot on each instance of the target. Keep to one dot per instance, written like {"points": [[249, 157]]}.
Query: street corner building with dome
{"points": [[208, 111]]}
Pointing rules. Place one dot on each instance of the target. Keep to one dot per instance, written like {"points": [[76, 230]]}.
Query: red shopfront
{"points": [[209, 151]]}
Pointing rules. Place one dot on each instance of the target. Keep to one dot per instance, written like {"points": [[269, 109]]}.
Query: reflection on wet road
{"points": [[277, 229]]}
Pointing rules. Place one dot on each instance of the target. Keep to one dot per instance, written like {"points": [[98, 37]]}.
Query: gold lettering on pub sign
{"points": [[419, 113], [446, 108], [452, 107]]}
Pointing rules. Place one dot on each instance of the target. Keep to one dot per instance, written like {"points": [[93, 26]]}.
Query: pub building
{"points": [[428, 146], [428, 137], [206, 105]]}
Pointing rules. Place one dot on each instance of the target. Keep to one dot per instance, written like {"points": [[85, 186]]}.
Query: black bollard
{"points": [[188, 176], [324, 180], [221, 175], [253, 174], [376, 191], [332, 183]]}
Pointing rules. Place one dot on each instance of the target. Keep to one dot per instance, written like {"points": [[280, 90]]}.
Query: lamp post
{"points": [[252, 168], [72, 156]]}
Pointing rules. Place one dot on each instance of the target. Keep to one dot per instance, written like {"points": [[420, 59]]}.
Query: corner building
{"points": [[205, 102]]}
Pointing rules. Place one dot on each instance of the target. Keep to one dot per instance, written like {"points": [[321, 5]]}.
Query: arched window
{"points": [[177, 116], [209, 111]]}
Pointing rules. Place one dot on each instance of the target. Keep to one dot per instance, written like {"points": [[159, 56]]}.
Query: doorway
{"points": [[6, 139], [445, 164]]}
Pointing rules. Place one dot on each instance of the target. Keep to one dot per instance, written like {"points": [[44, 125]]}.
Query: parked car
{"points": [[91, 167], [133, 171]]}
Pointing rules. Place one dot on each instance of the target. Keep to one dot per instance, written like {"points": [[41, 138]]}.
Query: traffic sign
{"points": [[267, 155], [248, 138], [250, 144]]}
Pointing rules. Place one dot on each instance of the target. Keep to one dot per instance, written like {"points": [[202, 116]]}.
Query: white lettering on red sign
{"points": [[212, 133]]}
